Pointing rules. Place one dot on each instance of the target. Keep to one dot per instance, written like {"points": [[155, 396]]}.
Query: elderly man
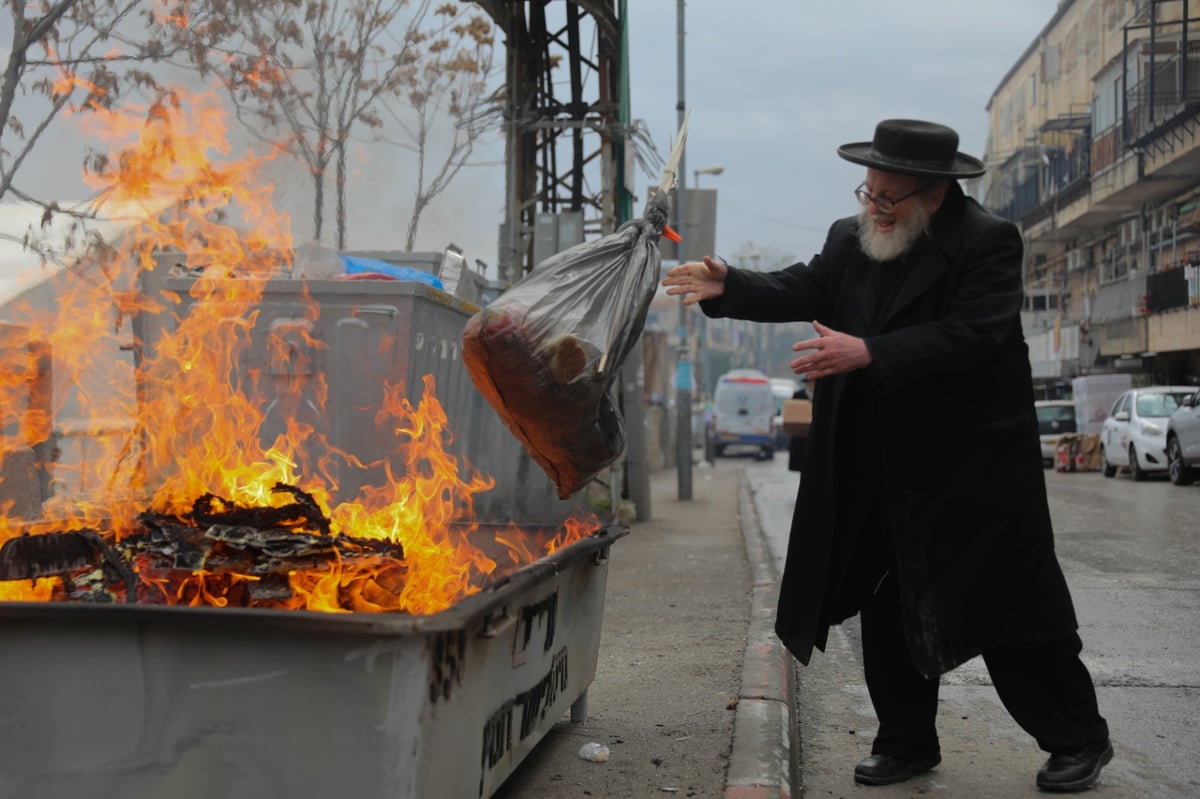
{"points": [[916, 301]]}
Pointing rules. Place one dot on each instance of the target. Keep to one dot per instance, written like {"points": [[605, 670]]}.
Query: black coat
{"points": [[951, 449]]}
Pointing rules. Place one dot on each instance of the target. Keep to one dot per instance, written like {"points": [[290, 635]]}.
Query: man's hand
{"points": [[833, 353], [697, 280]]}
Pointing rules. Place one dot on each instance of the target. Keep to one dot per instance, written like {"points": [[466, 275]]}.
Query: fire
{"points": [[159, 429]]}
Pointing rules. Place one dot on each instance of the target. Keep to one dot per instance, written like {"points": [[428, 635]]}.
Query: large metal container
{"points": [[369, 333], [144, 702]]}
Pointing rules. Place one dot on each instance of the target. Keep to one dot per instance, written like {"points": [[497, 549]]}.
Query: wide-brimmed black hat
{"points": [[913, 147]]}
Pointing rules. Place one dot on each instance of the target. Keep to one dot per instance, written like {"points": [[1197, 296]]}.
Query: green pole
{"points": [[624, 117]]}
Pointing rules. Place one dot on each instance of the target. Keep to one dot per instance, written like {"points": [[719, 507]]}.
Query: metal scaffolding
{"points": [[560, 150]]}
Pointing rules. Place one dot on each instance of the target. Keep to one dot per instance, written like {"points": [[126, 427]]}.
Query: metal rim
{"points": [[462, 613], [1175, 465]]}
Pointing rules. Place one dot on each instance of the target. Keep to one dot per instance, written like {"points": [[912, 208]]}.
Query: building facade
{"points": [[1094, 151]]}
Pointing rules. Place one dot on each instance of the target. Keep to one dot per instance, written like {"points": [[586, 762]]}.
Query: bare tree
{"points": [[327, 73], [450, 90], [66, 54], [81, 56]]}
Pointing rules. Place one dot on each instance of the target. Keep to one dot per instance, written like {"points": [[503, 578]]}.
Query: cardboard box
{"points": [[1087, 459], [1065, 452], [797, 416]]}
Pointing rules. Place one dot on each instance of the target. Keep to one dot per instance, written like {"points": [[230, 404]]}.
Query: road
{"points": [[1131, 553]]}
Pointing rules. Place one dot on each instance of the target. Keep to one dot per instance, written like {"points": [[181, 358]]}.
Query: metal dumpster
{"points": [[367, 333], [100, 699], [136, 702]]}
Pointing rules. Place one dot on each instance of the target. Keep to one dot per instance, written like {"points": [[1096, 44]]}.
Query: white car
{"points": [[1055, 418], [1134, 435], [1183, 442]]}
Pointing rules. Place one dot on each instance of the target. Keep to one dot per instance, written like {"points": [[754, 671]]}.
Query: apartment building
{"points": [[1094, 151]]}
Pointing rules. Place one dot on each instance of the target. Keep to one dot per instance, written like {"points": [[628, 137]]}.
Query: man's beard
{"points": [[889, 246]]}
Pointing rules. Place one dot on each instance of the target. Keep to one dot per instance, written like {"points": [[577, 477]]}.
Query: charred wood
{"points": [[30, 557]]}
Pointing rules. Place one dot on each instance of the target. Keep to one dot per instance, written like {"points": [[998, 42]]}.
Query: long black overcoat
{"points": [[963, 482]]}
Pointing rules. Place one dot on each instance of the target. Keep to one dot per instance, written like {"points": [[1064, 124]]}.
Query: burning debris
{"points": [[302, 514], [70, 556], [196, 460], [228, 555], [243, 554]]}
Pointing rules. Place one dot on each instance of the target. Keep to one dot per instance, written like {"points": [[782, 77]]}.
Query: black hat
{"points": [[912, 147]]}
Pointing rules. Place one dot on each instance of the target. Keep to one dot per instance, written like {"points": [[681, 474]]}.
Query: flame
{"points": [[158, 429]]}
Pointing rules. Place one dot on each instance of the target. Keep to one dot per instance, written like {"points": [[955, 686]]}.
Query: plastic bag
{"points": [[546, 353]]}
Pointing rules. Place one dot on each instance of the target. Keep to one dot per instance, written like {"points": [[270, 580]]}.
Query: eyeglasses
{"points": [[882, 202]]}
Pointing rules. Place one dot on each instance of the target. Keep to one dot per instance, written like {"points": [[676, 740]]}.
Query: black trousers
{"points": [[1045, 687]]}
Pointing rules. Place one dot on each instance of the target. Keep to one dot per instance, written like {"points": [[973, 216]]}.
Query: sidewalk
{"points": [[691, 691]]}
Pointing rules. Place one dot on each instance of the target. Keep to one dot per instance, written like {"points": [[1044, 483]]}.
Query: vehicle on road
{"points": [[1134, 435], [1055, 418], [1183, 441], [743, 413]]}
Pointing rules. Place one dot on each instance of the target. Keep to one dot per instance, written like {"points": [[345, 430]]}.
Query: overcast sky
{"points": [[774, 86]]}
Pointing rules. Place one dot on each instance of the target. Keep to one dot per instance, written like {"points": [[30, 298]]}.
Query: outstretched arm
{"points": [[697, 280]]}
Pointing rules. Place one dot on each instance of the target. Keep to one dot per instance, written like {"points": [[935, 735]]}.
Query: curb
{"points": [[760, 759]]}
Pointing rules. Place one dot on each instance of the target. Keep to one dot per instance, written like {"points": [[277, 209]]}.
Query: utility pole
{"points": [[633, 382], [683, 367]]}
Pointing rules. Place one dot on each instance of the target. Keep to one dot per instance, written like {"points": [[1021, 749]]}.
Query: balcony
{"points": [[1040, 179], [1168, 289], [1021, 198], [1163, 110], [1107, 147], [1066, 154]]}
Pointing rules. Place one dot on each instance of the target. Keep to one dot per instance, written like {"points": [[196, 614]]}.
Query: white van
{"points": [[744, 413]]}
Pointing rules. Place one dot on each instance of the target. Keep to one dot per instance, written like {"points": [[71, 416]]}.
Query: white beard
{"points": [[885, 247]]}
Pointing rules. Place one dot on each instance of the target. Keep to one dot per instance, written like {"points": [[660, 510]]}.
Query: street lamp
{"points": [[708, 170]]}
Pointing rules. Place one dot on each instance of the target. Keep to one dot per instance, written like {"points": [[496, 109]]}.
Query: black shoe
{"points": [[885, 769], [1074, 771]]}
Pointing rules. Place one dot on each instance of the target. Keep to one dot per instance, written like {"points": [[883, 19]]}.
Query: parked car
{"points": [[1134, 435], [1183, 441], [1055, 418]]}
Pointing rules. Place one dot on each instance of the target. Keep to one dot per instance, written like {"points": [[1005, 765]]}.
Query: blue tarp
{"points": [[359, 266]]}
